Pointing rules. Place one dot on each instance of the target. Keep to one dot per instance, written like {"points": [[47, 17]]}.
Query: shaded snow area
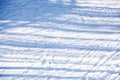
{"points": [[59, 39]]}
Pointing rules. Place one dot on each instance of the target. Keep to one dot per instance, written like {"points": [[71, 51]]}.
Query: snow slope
{"points": [[59, 39]]}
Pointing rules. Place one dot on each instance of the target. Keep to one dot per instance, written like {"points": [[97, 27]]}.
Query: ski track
{"points": [[60, 40]]}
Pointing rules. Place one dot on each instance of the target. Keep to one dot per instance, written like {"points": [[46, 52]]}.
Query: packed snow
{"points": [[59, 39]]}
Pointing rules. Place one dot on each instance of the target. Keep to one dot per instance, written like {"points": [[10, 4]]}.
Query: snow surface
{"points": [[59, 39]]}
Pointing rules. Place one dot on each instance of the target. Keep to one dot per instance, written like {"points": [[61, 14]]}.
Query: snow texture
{"points": [[59, 39]]}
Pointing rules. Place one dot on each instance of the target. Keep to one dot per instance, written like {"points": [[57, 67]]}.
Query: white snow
{"points": [[63, 40]]}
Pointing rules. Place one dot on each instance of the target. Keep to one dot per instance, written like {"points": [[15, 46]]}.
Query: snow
{"points": [[60, 40]]}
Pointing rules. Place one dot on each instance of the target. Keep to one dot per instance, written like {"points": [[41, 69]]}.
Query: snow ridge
{"points": [[60, 40]]}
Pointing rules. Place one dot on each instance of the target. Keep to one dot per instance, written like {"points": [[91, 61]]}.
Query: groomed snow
{"points": [[60, 40]]}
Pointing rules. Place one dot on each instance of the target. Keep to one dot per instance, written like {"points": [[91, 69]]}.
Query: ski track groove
{"points": [[72, 40]]}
